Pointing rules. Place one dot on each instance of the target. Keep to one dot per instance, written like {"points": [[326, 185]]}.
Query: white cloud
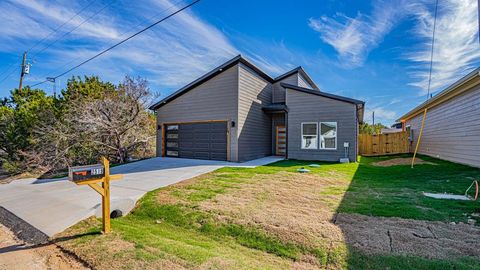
{"points": [[354, 38], [171, 54], [382, 115], [456, 47], [54, 15]]}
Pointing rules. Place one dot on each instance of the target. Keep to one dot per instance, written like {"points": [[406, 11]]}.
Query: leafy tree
{"points": [[366, 128], [20, 114], [89, 119], [90, 88]]}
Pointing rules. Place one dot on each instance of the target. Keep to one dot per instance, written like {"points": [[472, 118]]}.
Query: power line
{"points": [[47, 36], [121, 35], [431, 52], [73, 29], [59, 27], [121, 42]]}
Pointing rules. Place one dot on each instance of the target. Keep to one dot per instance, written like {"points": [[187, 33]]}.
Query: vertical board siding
{"points": [[279, 91], [304, 107], [452, 129], [254, 125], [215, 99]]}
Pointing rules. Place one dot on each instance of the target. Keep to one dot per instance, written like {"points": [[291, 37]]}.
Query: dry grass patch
{"points": [[400, 161], [288, 205]]}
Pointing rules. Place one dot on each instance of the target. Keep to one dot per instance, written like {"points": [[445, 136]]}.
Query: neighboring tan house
{"points": [[452, 123], [237, 112]]}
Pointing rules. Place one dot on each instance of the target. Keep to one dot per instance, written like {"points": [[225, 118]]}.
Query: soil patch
{"points": [[300, 208], [400, 161], [397, 236], [16, 254]]}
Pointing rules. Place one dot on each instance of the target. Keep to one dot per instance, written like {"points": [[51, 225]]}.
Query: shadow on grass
{"points": [[19, 247], [386, 196]]}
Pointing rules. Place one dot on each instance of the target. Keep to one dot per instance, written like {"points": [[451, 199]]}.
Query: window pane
{"points": [[172, 136], [328, 134], [173, 127], [172, 153], [172, 144], [309, 129], [309, 142]]}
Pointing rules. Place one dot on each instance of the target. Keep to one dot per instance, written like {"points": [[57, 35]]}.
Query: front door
{"points": [[281, 139]]}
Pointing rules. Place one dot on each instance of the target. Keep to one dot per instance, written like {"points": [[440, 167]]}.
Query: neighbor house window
{"points": [[309, 135], [328, 135]]}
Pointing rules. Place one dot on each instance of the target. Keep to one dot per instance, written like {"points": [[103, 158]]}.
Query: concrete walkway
{"points": [[52, 205]]}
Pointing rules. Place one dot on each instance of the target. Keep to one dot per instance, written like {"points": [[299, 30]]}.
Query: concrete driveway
{"points": [[53, 205]]}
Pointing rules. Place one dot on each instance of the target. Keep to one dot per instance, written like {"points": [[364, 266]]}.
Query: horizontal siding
{"points": [[302, 82], [279, 91], [254, 125], [452, 129], [304, 107], [215, 99]]}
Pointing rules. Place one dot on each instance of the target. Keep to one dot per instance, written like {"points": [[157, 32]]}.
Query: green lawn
{"points": [[224, 220], [396, 191]]}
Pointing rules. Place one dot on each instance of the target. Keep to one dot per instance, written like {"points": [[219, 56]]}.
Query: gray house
{"points": [[237, 112], [452, 123]]}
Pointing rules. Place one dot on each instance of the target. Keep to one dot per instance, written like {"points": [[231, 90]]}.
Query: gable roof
{"points": [[302, 72], [323, 94], [460, 86], [358, 103], [230, 63], [214, 72]]}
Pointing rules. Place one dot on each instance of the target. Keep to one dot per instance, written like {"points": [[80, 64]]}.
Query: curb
{"points": [[22, 229]]}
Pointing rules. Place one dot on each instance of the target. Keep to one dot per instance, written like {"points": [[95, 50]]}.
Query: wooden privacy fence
{"points": [[383, 144]]}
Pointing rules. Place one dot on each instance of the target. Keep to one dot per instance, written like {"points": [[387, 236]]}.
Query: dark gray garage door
{"points": [[197, 140]]}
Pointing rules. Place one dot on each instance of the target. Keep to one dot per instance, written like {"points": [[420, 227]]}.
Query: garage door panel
{"points": [[201, 146], [197, 140], [202, 155], [218, 137], [218, 146], [219, 156]]}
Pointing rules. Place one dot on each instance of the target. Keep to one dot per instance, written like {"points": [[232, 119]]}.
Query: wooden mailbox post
{"points": [[91, 175]]}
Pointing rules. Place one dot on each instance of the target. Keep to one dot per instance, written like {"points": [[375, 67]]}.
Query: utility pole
{"points": [[23, 71], [373, 118]]}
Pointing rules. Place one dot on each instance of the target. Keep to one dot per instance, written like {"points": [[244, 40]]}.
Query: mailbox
{"points": [[83, 173]]}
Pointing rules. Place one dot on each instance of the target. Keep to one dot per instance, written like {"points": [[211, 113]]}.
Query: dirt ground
{"points": [[17, 255], [301, 209], [400, 161]]}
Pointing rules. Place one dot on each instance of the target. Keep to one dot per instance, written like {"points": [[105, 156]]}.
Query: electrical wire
{"points": [[59, 27], [429, 84], [121, 42], [121, 35], [431, 52], [75, 28], [9, 68]]}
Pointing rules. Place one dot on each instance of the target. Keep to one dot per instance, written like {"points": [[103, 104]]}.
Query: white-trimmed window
{"points": [[328, 135], [309, 135]]}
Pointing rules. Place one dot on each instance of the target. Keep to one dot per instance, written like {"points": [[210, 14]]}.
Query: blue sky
{"points": [[377, 51]]}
